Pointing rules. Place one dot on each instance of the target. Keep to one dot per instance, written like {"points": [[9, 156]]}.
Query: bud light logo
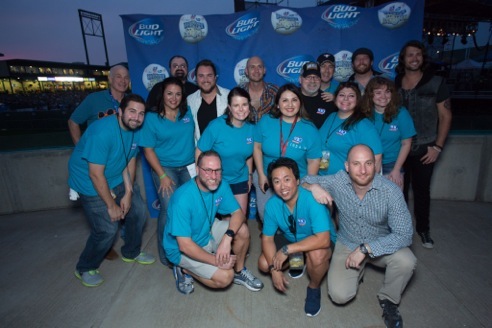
{"points": [[341, 16], [192, 76], [244, 27], [343, 69], [290, 69], [387, 65], [147, 31], [239, 72], [153, 74], [394, 15], [193, 28], [286, 21]]}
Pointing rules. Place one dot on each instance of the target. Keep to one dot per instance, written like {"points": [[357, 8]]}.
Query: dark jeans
{"points": [[104, 231], [419, 176], [179, 175]]}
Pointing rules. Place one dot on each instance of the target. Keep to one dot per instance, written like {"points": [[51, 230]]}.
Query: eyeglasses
{"points": [[292, 225], [313, 78], [210, 171], [107, 113]]}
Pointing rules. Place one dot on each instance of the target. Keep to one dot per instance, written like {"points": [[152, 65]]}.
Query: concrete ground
{"points": [[451, 287]]}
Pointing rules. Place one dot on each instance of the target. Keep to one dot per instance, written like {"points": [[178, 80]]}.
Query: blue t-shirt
{"points": [[95, 106], [104, 143], [234, 145], [393, 133], [338, 141], [303, 143], [310, 216], [173, 142], [191, 213]]}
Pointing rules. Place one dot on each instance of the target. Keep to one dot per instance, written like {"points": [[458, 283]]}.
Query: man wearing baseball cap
{"points": [[310, 81], [362, 60], [326, 64]]}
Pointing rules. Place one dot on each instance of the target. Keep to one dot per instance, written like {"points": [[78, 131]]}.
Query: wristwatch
{"points": [[363, 249], [285, 250], [230, 233]]}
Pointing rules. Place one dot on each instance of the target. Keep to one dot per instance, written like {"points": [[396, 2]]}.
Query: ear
{"points": [[346, 166]]}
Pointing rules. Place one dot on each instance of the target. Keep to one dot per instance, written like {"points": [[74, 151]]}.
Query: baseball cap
{"points": [[310, 68], [363, 51], [326, 57]]}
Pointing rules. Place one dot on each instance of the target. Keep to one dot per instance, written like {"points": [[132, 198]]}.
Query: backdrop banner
{"points": [[285, 38]]}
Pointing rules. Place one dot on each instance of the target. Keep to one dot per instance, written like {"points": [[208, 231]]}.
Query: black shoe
{"points": [[427, 241], [391, 315]]}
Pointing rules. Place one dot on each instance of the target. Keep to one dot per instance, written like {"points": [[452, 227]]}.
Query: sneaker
{"points": [[248, 280], [142, 258], [312, 307], [184, 282], [427, 241], [297, 273], [391, 315], [91, 278]]}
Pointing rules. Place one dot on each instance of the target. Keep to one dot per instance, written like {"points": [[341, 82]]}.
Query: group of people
{"points": [[356, 145]]}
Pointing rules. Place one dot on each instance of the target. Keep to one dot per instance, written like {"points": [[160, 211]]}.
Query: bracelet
{"points": [[163, 176], [437, 148], [270, 268]]}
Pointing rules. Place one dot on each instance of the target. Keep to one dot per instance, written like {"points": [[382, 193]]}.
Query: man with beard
{"points": [[178, 67], [295, 226], [210, 101], [262, 93], [427, 98], [362, 60], [375, 228], [310, 81], [199, 244], [102, 171]]}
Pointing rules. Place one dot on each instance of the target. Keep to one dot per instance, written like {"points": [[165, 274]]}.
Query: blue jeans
{"points": [[179, 175], [104, 231]]}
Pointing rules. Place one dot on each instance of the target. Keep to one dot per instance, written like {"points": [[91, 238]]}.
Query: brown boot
{"points": [[111, 255]]}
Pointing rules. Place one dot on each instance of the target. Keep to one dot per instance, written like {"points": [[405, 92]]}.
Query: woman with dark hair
{"points": [[346, 128], [285, 132], [231, 135], [168, 141], [381, 104]]}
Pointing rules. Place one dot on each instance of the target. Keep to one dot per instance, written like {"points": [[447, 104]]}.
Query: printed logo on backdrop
{"points": [[290, 69], [192, 76], [286, 21], [387, 65], [394, 15], [156, 205], [152, 74], [244, 27], [147, 31], [193, 28], [343, 66], [239, 72], [341, 16]]}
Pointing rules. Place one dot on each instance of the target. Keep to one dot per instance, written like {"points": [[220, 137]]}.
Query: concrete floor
{"points": [[452, 285]]}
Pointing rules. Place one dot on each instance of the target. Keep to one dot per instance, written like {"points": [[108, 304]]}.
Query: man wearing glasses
{"points": [[200, 245], [310, 81], [375, 228], [306, 230]]}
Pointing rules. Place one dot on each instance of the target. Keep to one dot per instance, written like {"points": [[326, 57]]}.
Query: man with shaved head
{"points": [[375, 228]]}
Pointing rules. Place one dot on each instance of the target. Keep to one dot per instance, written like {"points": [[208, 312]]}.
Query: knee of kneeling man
{"points": [[339, 297]]}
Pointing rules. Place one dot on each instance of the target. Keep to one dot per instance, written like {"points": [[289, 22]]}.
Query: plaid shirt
{"points": [[267, 100], [381, 219]]}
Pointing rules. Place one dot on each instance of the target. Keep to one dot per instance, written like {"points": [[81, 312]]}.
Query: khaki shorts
{"points": [[201, 269]]}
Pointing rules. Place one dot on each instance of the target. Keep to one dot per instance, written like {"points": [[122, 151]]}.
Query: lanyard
{"points": [[283, 144], [209, 216], [330, 131], [116, 104]]}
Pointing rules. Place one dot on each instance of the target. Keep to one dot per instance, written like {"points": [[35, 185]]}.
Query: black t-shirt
{"points": [[318, 109], [155, 94], [206, 114]]}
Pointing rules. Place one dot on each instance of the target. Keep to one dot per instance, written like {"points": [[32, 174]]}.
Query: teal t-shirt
{"points": [[303, 142], [391, 134], [173, 142], [95, 106], [338, 141], [333, 86], [310, 216], [234, 145], [104, 143], [191, 213]]}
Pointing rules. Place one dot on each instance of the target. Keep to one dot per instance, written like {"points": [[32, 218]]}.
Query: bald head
{"points": [[359, 150], [255, 69]]}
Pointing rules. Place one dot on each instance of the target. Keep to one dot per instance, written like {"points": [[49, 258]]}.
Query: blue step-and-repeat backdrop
{"points": [[285, 38]]}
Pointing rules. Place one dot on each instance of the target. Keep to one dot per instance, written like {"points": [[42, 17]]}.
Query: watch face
{"points": [[363, 249]]}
